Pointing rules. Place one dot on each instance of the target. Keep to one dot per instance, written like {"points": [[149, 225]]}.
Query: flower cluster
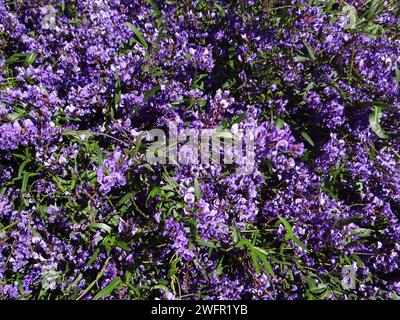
{"points": [[84, 216]]}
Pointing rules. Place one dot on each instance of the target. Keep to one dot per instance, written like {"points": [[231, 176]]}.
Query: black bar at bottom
{"points": [[194, 309]]}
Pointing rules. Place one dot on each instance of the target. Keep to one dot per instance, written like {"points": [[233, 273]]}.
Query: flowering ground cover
{"points": [[85, 215]]}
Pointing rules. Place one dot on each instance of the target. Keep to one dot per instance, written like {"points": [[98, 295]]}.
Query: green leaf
{"points": [[30, 59], [25, 179], [351, 15], [101, 226], [25, 182], [74, 283], [353, 219], [128, 276], [235, 233], [397, 71], [254, 258], [279, 123], [108, 289], [262, 254], [225, 134], [220, 267], [287, 226], [290, 235], [154, 192], [374, 121], [394, 296], [173, 267], [124, 199], [99, 154], [93, 257], [138, 34], [307, 90], [301, 59], [239, 119], [122, 245], [299, 243], [306, 136], [161, 287], [99, 275], [220, 9], [16, 57], [21, 167], [206, 244], [244, 243], [310, 51], [74, 22], [117, 96], [78, 132], [150, 93], [374, 8], [138, 144], [156, 11], [197, 191], [310, 281], [42, 210]]}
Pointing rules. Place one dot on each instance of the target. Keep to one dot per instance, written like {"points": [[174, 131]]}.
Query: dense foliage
{"points": [[84, 216]]}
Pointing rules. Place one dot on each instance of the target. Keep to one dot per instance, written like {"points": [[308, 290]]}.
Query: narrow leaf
{"points": [[374, 121], [310, 51], [397, 73], [197, 191], [138, 34], [93, 257], [101, 226], [31, 58], [307, 137], [108, 289]]}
